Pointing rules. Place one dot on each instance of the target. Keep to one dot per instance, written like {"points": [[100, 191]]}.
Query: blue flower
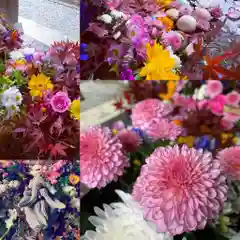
{"points": [[202, 143], [139, 132], [83, 48]]}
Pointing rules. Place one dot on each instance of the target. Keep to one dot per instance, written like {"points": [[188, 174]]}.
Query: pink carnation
{"points": [[216, 105], [230, 161], [173, 39], [184, 101], [180, 189], [233, 98], [102, 157], [163, 129], [130, 140], [231, 117], [214, 88], [60, 102], [147, 111]]}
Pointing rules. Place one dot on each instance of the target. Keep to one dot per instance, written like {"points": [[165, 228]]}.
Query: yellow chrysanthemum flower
{"points": [[164, 3], [39, 84], [75, 109], [159, 64]]}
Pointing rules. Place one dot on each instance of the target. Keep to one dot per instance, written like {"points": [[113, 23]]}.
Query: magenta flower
{"points": [[130, 140], [147, 111], [184, 101], [216, 12], [214, 88], [230, 161], [60, 102], [233, 98], [127, 74], [180, 189], [102, 157], [216, 105], [173, 39]]}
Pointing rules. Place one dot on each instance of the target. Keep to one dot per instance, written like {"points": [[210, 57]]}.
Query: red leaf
{"points": [[58, 149], [119, 104], [127, 97]]}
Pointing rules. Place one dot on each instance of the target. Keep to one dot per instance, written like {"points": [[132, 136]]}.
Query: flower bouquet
{"points": [[161, 40], [39, 201], [172, 173], [39, 100]]}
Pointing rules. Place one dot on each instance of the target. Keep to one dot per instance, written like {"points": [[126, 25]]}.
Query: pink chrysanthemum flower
{"points": [[216, 105], [230, 161], [60, 102], [173, 39], [214, 88], [147, 111], [130, 140], [233, 98], [102, 157], [180, 189], [163, 129]]}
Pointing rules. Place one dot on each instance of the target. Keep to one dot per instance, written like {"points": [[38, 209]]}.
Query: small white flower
{"points": [[11, 98], [16, 55], [200, 94], [12, 218], [178, 62], [106, 18], [70, 191], [122, 220], [13, 184], [3, 188], [75, 203], [117, 35], [28, 51], [117, 14]]}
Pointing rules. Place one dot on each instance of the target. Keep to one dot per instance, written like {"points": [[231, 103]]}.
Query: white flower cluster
{"points": [[5, 185], [11, 99], [122, 220]]}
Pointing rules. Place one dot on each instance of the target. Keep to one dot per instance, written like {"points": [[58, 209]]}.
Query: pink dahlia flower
{"points": [[60, 102], [173, 39], [214, 88], [216, 105], [233, 98], [149, 110], [180, 189], [230, 161], [163, 129], [130, 140], [101, 156]]}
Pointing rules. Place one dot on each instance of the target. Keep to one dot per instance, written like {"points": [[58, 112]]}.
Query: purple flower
{"points": [[127, 74], [60, 102]]}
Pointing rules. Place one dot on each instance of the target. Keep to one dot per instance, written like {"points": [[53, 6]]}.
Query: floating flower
{"points": [[74, 179], [122, 220], [11, 97], [214, 88], [233, 98], [149, 110], [102, 157], [230, 161], [75, 109], [155, 71], [180, 189], [60, 102], [39, 84], [130, 140]]}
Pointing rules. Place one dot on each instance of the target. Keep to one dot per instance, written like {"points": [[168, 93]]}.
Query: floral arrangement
{"points": [[39, 99], [174, 165], [128, 39], [39, 200]]}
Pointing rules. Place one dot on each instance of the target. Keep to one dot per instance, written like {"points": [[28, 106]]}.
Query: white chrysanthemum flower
{"points": [[122, 220], [16, 55], [200, 94], [106, 18], [11, 98]]}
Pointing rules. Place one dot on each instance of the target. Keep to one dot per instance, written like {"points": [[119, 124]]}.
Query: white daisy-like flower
{"points": [[3, 188], [106, 18], [16, 55], [11, 98], [122, 220], [75, 203], [201, 93]]}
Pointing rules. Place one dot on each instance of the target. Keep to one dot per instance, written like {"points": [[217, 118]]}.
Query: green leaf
{"points": [[2, 67]]}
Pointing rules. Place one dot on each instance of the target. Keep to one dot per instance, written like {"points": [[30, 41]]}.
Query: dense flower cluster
{"points": [[140, 34], [39, 99]]}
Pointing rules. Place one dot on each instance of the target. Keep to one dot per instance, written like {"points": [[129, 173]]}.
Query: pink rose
{"points": [[173, 39], [216, 104], [214, 88], [233, 98]]}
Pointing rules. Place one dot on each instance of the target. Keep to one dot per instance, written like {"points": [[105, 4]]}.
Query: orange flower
{"points": [[177, 122], [167, 22], [74, 179]]}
